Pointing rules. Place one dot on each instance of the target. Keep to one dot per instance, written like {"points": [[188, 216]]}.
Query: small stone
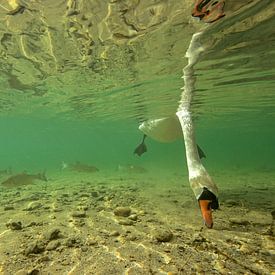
{"points": [[33, 206], [84, 249], [52, 245], [162, 235], [133, 217], [35, 247], [125, 222], [91, 242], [82, 208], [52, 234], [239, 221], [231, 203], [72, 242], [94, 194], [122, 211], [14, 225], [34, 271], [44, 258], [79, 214], [31, 224], [114, 234], [8, 207]]}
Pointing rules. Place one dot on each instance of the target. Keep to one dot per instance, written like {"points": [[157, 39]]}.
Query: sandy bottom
{"points": [[74, 224]]}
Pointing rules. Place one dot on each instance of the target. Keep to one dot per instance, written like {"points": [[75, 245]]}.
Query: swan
{"points": [[181, 125]]}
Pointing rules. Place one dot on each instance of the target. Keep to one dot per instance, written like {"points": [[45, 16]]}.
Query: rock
{"points": [[133, 217], [52, 245], [162, 235], [91, 242], [122, 211], [8, 207], [94, 194], [125, 222], [34, 271], [84, 249], [72, 242], [239, 221], [79, 214], [82, 208], [231, 203], [114, 234], [35, 247], [31, 224], [33, 206], [14, 225], [52, 234]]}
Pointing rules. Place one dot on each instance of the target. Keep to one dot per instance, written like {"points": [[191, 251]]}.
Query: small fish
{"points": [[132, 169], [81, 167], [23, 179]]}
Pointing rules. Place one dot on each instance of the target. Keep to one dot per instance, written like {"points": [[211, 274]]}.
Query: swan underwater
{"points": [[181, 124]]}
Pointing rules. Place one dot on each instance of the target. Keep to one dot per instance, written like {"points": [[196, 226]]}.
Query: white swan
{"points": [[181, 124]]}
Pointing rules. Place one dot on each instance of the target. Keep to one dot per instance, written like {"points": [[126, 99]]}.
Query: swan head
{"points": [[208, 202]]}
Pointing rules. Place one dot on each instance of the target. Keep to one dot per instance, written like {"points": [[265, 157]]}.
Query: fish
{"points": [[80, 167], [132, 169], [23, 179]]}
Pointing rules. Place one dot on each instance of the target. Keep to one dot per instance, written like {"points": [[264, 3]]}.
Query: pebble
{"points": [[231, 203], [82, 208], [52, 245], [114, 234], [94, 194], [52, 234], [122, 211], [33, 206], [72, 242], [79, 214], [14, 225], [133, 217], [162, 235], [239, 221], [8, 207], [35, 247], [125, 222]]}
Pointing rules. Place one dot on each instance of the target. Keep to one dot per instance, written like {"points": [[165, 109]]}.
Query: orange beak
{"points": [[206, 212]]}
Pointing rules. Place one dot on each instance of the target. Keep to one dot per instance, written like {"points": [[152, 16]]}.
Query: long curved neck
{"points": [[184, 110], [198, 176], [192, 156]]}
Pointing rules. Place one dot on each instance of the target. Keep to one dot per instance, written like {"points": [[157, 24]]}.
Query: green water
{"points": [[36, 144]]}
